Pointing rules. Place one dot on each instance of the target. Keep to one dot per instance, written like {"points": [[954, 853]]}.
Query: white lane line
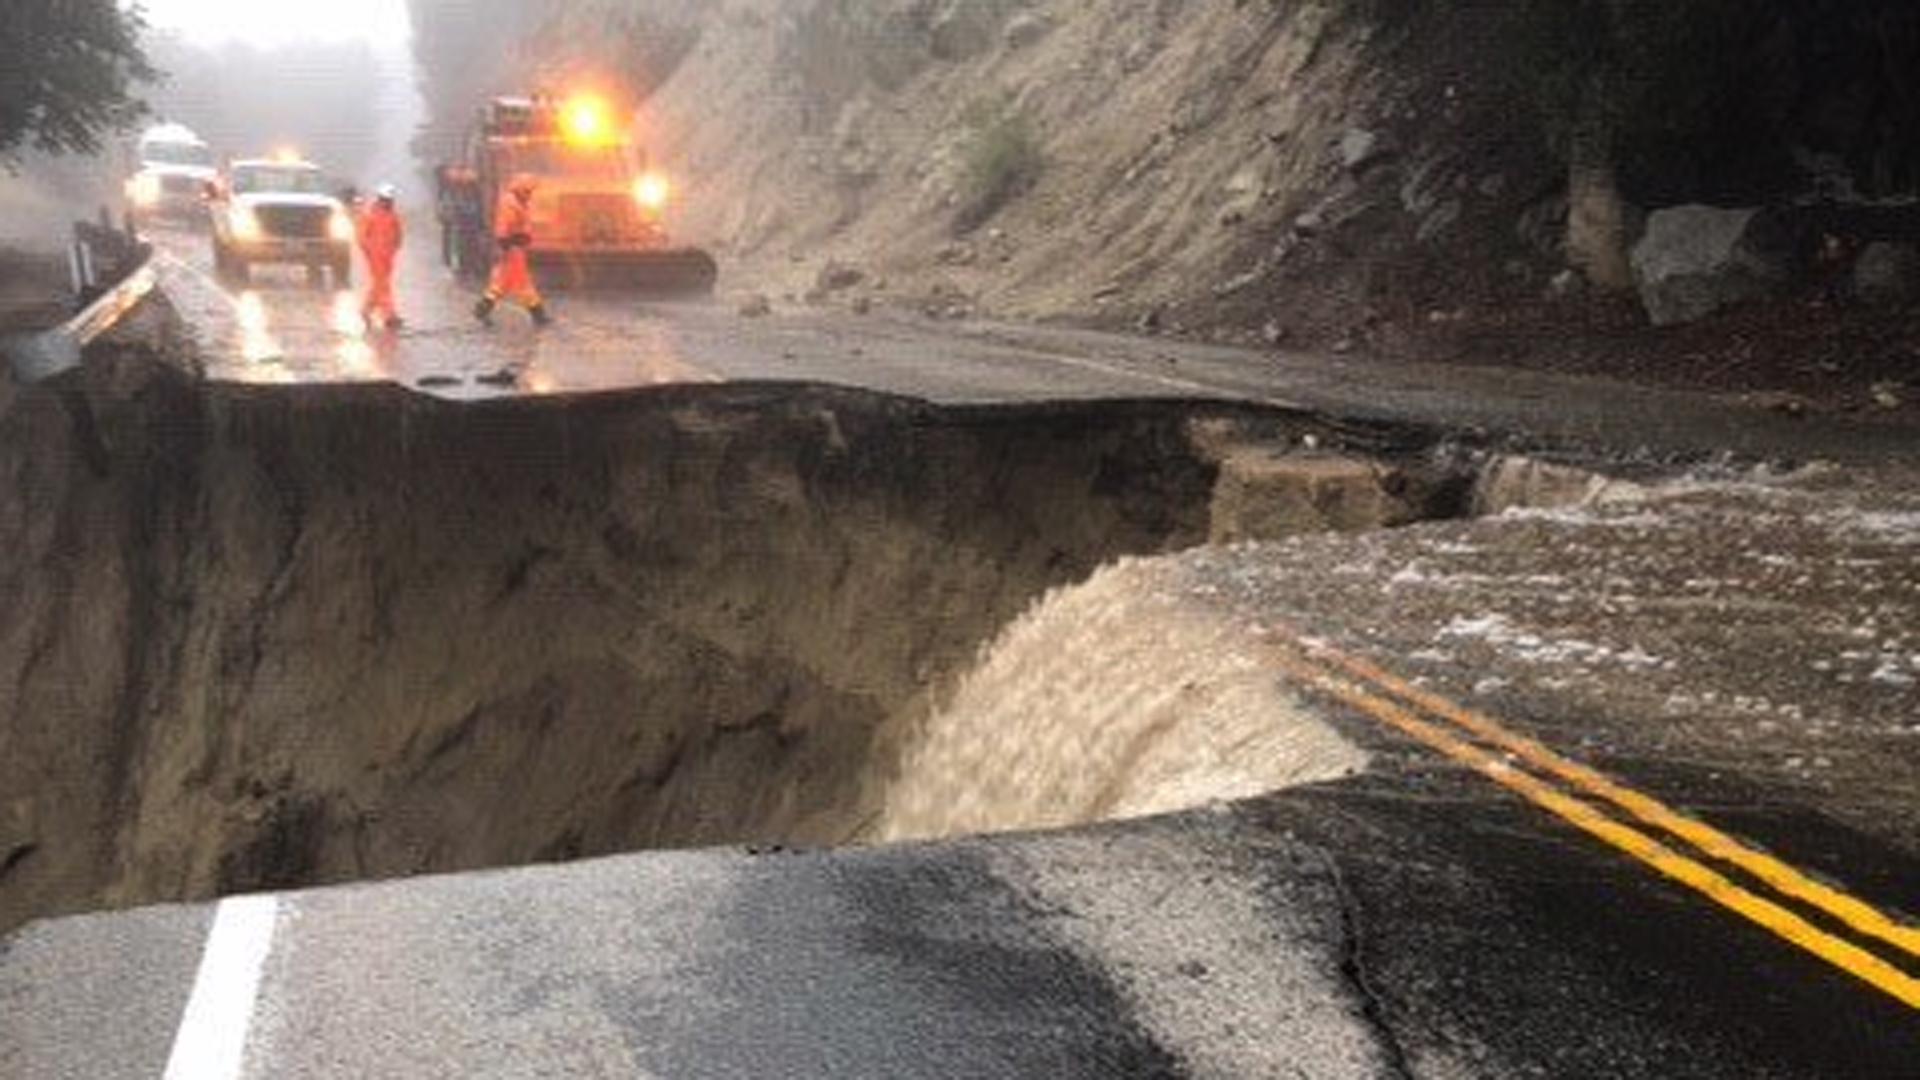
{"points": [[1126, 370], [212, 1041]]}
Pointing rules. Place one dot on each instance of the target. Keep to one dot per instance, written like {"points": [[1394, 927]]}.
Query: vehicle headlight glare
{"points": [[144, 190], [245, 225], [340, 227], [652, 192]]}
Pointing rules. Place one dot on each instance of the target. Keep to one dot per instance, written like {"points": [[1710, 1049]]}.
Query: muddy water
{"points": [[1116, 698], [1125, 695]]}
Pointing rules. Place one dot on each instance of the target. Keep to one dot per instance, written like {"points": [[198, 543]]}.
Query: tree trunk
{"points": [[1596, 214]]}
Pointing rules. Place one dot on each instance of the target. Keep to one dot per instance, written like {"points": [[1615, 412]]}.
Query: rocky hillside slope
{"points": [[1195, 165]]}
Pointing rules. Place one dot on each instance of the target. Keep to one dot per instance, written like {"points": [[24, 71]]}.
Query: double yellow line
{"points": [[1642, 827]]}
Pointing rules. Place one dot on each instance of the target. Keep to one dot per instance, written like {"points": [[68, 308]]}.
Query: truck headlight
{"points": [[340, 227], [246, 227], [143, 190], [652, 191]]}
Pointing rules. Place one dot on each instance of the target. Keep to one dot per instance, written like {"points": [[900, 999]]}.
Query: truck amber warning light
{"points": [[584, 121]]}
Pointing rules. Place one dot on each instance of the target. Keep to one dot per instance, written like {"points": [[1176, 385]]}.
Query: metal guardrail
{"points": [[113, 273]]}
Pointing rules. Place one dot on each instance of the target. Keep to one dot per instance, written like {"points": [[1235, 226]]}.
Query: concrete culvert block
{"points": [[1515, 482], [1695, 260], [1267, 493]]}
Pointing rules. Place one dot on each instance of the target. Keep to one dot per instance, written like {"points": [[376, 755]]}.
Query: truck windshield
{"points": [[255, 179], [174, 153]]}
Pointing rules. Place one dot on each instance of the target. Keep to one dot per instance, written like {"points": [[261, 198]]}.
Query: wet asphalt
{"points": [[1353, 929]]}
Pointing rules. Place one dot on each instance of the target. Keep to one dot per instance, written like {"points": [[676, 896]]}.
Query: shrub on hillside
{"points": [[1003, 159]]}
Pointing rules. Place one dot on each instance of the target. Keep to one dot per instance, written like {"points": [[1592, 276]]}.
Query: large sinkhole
{"points": [[258, 638]]}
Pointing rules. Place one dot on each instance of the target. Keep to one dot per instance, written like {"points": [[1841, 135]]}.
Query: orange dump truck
{"points": [[598, 209]]}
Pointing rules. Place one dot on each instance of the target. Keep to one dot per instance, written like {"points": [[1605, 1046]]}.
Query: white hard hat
{"points": [[387, 192]]}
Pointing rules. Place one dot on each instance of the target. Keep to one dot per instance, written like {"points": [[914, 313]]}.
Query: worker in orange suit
{"points": [[512, 278], [379, 236]]}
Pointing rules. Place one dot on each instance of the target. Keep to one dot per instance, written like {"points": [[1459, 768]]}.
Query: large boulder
{"points": [[1887, 275], [1695, 260]]}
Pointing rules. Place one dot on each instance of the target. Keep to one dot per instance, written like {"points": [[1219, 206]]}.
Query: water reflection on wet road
{"points": [[282, 329]]}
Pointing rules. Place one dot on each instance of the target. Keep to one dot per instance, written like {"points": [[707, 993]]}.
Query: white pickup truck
{"points": [[280, 210]]}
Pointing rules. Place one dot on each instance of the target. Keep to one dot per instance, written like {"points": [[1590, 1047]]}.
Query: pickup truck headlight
{"points": [[143, 190], [246, 227], [340, 227]]}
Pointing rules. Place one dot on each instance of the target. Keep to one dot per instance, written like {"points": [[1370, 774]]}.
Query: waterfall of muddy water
{"points": [[1117, 698]]}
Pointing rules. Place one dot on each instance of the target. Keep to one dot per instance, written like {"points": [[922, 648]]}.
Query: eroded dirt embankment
{"points": [[255, 637]]}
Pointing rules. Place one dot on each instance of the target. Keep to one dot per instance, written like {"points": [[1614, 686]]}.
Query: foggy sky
{"points": [[381, 23]]}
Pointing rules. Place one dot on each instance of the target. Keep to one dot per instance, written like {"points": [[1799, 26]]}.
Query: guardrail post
{"points": [[80, 269]]}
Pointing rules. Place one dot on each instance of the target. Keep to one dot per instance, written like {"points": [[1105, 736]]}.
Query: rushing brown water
{"points": [[1116, 698]]}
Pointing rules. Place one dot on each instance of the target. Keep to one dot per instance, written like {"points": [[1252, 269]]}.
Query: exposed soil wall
{"points": [[257, 637]]}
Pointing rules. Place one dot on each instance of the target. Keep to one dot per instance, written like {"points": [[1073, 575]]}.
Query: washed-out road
{"points": [[1642, 800]]}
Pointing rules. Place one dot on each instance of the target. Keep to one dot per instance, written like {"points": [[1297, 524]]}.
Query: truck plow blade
{"points": [[680, 271]]}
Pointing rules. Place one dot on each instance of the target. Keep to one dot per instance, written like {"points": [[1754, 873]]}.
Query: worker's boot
{"points": [[540, 315], [483, 310]]}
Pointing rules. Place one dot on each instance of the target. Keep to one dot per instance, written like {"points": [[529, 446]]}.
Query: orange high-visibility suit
{"points": [[513, 228], [380, 237]]}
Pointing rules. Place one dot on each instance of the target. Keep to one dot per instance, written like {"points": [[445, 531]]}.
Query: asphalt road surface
{"points": [[1480, 903], [1337, 931], [280, 330]]}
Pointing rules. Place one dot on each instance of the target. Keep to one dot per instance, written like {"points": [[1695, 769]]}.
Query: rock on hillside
{"points": [[1270, 166]]}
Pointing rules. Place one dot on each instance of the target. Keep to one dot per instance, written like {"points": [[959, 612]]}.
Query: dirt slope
{"points": [[1216, 162]]}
